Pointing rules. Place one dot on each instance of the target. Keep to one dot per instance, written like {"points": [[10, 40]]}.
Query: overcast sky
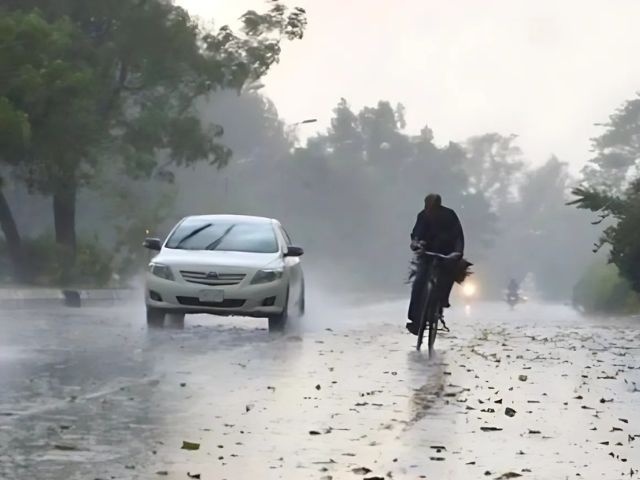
{"points": [[546, 70]]}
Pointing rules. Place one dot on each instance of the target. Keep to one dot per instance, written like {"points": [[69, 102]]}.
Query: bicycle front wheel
{"points": [[428, 312], [433, 331]]}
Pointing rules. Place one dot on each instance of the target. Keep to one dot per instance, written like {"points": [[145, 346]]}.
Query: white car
{"points": [[229, 265]]}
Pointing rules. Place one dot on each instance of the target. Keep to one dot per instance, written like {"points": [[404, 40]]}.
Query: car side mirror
{"points": [[294, 251], [153, 244]]}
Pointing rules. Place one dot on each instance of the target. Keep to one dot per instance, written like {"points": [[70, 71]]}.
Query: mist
{"points": [[350, 195]]}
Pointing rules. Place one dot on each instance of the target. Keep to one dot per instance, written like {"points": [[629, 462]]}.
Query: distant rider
{"points": [[438, 230], [513, 288]]}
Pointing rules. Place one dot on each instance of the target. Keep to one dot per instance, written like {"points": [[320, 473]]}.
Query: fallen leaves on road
{"points": [[66, 448], [190, 445], [361, 470]]}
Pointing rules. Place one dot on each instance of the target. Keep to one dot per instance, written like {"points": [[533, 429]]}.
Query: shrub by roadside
{"points": [[95, 264], [602, 290]]}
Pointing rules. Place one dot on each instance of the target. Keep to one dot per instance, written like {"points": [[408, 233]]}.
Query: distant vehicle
{"points": [[514, 298], [469, 292], [228, 265]]}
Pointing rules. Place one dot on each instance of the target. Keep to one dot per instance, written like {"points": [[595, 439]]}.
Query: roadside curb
{"points": [[25, 298]]}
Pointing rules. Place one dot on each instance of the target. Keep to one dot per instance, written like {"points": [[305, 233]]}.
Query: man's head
{"points": [[432, 202]]}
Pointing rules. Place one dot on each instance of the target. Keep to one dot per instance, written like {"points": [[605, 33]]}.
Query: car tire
{"points": [[176, 320], [301, 301], [278, 323], [155, 317]]}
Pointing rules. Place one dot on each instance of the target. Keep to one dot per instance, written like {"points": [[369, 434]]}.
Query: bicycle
{"points": [[431, 297]]}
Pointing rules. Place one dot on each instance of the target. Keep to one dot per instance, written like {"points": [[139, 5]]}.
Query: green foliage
{"points": [[89, 86], [602, 290], [617, 149], [118, 81], [136, 210], [618, 204], [94, 266]]}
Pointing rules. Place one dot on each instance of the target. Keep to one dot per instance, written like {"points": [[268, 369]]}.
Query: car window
{"points": [[226, 236]]}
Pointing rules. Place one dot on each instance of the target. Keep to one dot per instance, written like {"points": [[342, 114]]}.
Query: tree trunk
{"points": [[21, 266], [64, 217]]}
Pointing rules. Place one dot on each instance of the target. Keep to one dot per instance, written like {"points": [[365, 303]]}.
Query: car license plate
{"points": [[211, 296]]}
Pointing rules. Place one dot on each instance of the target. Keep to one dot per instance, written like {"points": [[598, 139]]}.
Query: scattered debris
{"points": [[190, 446], [361, 470], [66, 448]]}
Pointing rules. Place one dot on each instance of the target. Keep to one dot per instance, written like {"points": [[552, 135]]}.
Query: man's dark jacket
{"points": [[441, 230]]}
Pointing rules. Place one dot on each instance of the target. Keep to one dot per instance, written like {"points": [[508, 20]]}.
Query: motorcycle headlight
{"points": [[469, 289], [267, 276], [161, 271]]}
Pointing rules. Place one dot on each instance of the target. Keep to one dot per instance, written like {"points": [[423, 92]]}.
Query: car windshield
{"points": [[224, 236]]}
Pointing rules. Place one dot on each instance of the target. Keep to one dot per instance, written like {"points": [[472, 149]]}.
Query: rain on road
{"points": [[538, 392]]}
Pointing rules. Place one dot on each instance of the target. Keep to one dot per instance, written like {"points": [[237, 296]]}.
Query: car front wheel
{"points": [[277, 323], [155, 317], [176, 320]]}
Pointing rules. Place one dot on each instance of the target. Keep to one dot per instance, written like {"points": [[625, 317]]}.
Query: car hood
{"points": [[214, 258]]}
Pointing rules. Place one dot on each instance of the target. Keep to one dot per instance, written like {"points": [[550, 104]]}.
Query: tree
{"points": [[494, 165], [608, 192], [352, 193], [41, 99], [138, 68], [621, 236], [617, 149]]}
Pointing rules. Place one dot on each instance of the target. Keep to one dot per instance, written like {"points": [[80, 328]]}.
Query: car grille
{"points": [[195, 302], [219, 280]]}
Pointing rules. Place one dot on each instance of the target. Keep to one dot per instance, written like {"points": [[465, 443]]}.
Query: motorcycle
{"points": [[513, 298]]}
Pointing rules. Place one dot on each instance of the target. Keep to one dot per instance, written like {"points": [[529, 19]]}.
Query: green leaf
{"points": [[190, 446]]}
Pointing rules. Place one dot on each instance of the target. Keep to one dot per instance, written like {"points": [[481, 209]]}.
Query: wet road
{"points": [[92, 394]]}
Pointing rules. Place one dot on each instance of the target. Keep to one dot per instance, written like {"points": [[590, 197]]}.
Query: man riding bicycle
{"points": [[437, 230]]}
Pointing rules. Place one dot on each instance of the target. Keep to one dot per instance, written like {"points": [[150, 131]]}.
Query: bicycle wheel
{"points": [[427, 311], [433, 329]]}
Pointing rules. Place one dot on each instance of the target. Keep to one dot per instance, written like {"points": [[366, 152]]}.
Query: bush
{"points": [[94, 263], [602, 290]]}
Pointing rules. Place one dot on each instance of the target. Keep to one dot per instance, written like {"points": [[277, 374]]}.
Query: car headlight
{"points": [[161, 271], [267, 276]]}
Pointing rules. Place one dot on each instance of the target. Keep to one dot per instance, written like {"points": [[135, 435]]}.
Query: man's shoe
{"points": [[413, 327]]}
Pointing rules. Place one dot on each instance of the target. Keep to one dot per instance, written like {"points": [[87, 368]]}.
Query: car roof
{"points": [[232, 218]]}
